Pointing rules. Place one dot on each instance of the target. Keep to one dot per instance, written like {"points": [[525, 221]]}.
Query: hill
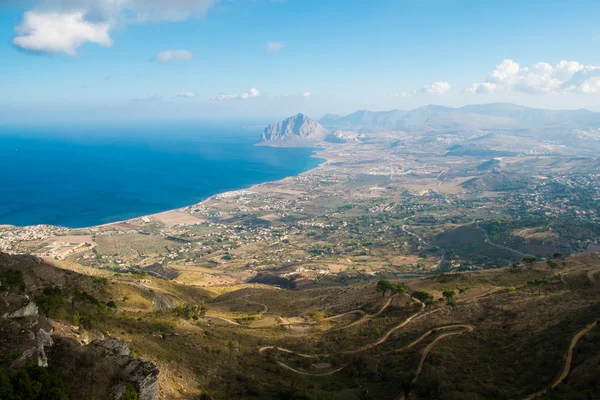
{"points": [[496, 334]]}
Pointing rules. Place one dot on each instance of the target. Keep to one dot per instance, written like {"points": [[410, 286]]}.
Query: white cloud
{"points": [[275, 46], [62, 26], [435, 88], [541, 78], [174, 55], [59, 33], [187, 95], [252, 93], [481, 88], [305, 95], [150, 97]]}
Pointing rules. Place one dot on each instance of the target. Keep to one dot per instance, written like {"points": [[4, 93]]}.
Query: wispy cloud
{"points": [[304, 95], [187, 95], [150, 97], [541, 78], [275, 46], [173, 55], [250, 94], [435, 88]]}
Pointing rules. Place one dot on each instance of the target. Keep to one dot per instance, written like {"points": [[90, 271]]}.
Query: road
{"points": [[488, 241], [568, 360], [161, 300], [463, 328], [420, 239]]}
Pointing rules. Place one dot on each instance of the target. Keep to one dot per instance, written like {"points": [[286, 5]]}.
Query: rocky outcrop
{"points": [[42, 339], [30, 310], [142, 374], [18, 325], [297, 131]]}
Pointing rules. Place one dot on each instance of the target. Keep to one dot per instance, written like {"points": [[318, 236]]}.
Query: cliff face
{"points": [[297, 131]]}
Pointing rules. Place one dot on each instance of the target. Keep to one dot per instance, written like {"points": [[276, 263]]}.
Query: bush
{"points": [[50, 301], [11, 279], [130, 392], [191, 311], [32, 383]]}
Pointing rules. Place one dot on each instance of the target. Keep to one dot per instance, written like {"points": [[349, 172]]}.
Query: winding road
{"points": [[161, 300], [365, 317], [568, 360]]}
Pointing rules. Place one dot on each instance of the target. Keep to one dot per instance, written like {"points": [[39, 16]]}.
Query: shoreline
{"points": [[317, 154]]}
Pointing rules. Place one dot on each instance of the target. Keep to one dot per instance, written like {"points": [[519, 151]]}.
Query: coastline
{"points": [[317, 154]]}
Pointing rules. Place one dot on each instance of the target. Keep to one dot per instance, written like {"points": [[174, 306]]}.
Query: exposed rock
{"points": [[142, 374], [30, 310], [296, 131], [21, 361], [115, 347], [43, 339]]}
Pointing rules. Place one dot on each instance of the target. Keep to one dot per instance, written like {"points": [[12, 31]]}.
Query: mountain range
{"points": [[300, 130], [479, 116]]}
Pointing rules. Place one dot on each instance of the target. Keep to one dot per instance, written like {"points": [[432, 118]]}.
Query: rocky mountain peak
{"points": [[298, 130]]}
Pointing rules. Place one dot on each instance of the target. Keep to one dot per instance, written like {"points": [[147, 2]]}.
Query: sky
{"points": [[193, 59]]}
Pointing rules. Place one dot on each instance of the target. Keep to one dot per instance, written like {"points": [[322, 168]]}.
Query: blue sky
{"points": [[142, 59]]}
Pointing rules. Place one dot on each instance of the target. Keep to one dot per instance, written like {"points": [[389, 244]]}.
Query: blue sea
{"points": [[90, 174]]}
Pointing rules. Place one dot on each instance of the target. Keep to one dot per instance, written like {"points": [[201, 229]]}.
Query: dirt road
{"points": [[568, 360]]}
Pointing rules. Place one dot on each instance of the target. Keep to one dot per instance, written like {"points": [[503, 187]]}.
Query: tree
{"points": [[449, 295], [384, 285], [540, 284], [422, 296], [399, 288], [529, 261], [428, 304], [557, 256]]}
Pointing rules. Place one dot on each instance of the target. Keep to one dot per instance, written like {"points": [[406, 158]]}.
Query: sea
{"points": [[80, 175]]}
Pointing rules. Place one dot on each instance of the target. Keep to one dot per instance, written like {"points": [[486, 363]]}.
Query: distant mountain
{"points": [[364, 119], [296, 131], [480, 116]]}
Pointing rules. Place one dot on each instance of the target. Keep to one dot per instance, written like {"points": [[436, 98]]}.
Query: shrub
{"points": [[32, 383], [11, 279], [191, 311], [50, 301], [130, 392]]}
